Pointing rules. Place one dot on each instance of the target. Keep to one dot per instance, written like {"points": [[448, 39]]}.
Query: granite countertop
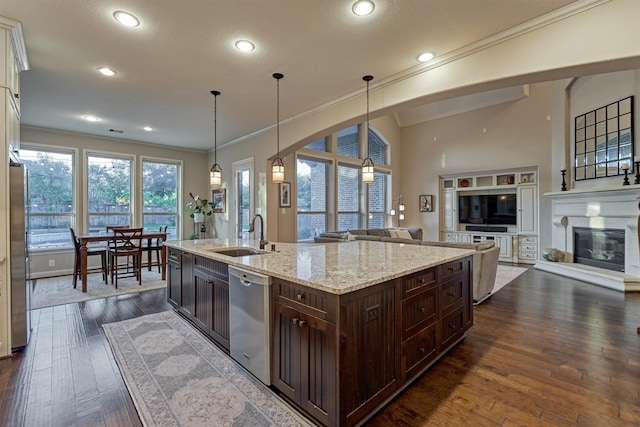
{"points": [[337, 268]]}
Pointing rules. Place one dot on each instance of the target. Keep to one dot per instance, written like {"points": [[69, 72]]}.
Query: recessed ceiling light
{"points": [[91, 118], [363, 7], [424, 57], [126, 19], [106, 71], [245, 45], [148, 128]]}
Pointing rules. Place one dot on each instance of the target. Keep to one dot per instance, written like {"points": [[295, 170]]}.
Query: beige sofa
{"points": [[485, 259], [485, 265]]}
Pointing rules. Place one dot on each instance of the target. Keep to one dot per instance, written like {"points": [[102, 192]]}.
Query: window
{"points": [[348, 197], [377, 148], [319, 145], [377, 201], [348, 142], [243, 171], [108, 191], [330, 192], [311, 184], [160, 196], [50, 205]]}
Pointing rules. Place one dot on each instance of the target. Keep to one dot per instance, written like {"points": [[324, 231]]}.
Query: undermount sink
{"points": [[238, 252]]}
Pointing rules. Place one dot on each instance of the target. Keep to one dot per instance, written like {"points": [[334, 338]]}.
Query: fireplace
{"points": [[602, 248]]}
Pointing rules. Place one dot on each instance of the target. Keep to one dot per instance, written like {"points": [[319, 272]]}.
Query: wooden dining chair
{"points": [[155, 246], [127, 243], [91, 251]]}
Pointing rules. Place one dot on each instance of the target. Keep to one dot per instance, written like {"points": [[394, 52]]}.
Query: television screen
{"points": [[487, 209]]}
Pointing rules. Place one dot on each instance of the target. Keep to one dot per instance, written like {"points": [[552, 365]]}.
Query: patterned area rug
{"points": [[177, 377], [59, 290]]}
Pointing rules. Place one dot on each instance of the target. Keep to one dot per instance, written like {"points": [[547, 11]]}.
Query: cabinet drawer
{"points": [[528, 247], [452, 327], [452, 293], [418, 282], [528, 239], [173, 256], [419, 311], [419, 350], [527, 255], [309, 300], [452, 268]]}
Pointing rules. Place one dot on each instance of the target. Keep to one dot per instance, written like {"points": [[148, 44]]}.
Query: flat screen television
{"points": [[487, 209]]}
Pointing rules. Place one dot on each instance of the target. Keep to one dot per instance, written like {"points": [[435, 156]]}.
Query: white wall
{"points": [[511, 135]]}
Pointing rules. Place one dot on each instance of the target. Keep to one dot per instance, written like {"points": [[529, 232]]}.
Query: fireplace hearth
{"points": [[602, 248]]}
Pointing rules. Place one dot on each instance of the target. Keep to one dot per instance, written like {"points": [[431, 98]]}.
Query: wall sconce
{"points": [[215, 175]]}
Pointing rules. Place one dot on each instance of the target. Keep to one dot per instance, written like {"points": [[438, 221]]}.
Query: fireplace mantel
{"points": [[604, 207]]}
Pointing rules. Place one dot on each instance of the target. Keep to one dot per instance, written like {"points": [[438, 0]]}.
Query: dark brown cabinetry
{"points": [[304, 342], [341, 357], [198, 288]]}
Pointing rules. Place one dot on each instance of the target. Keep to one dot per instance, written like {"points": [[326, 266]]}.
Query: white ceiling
{"points": [[183, 49]]}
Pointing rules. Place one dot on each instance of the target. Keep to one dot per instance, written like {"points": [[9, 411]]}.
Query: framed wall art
{"points": [[285, 195], [219, 200], [425, 203]]}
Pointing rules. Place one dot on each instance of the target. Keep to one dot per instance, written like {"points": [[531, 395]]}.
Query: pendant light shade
{"points": [[277, 166], [367, 164], [215, 175]]}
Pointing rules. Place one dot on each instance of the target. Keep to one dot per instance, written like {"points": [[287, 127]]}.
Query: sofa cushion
{"points": [[382, 232], [403, 234], [367, 237], [358, 232], [334, 235], [321, 239], [477, 246], [400, 240]]}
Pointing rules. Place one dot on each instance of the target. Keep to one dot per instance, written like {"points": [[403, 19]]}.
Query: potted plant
{"points": [[198, 208]]}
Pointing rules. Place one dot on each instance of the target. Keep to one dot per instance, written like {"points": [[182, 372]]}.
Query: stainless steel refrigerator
{"points": [[20, 283]]}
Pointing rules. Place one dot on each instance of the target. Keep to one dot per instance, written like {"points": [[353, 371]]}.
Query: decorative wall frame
{"points": [[285, 195], [604, 141], [219, 200], [425, 203]]}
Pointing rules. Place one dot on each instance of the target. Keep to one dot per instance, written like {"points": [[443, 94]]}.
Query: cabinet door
{"points": [[505, 243], [220, 312], [318, 368], [203, 284], [448, 210], [286, 351], [304, 367], [527, 217], [174, 279], [188, 289]]}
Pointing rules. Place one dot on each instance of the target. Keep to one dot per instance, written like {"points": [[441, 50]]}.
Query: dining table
{"points": [[93, 238]]}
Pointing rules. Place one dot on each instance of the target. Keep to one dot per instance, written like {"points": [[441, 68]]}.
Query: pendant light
{"points": [[277, 166], [367, 164], [215, 175]]}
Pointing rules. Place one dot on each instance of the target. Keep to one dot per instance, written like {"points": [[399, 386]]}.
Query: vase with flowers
{"points": [[198, 209]]}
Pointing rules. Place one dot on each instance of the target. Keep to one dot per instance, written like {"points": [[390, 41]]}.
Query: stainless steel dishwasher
{"points": [[250, 321]]}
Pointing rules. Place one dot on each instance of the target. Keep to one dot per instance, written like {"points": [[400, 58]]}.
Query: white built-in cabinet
{"points": [[520, 242]]}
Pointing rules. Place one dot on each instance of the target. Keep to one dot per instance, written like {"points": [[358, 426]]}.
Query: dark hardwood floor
{"points": [[545, 350]]}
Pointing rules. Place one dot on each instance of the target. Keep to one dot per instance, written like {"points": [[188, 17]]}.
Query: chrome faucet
{"points": [[253, 228]]}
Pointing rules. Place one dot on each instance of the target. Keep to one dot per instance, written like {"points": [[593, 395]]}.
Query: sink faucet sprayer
{"points": [[253, 228]]}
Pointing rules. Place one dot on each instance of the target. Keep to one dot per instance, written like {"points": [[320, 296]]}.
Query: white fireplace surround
{"points": [[607, 207]]}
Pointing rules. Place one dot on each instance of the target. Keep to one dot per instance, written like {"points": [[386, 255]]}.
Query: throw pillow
{"points": [[392, 233], [403, 234]]}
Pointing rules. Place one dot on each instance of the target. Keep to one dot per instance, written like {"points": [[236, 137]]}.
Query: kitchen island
{"points": [[352, 323]]}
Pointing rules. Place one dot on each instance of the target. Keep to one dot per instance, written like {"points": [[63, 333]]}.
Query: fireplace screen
{"points": [[603, 248]]}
